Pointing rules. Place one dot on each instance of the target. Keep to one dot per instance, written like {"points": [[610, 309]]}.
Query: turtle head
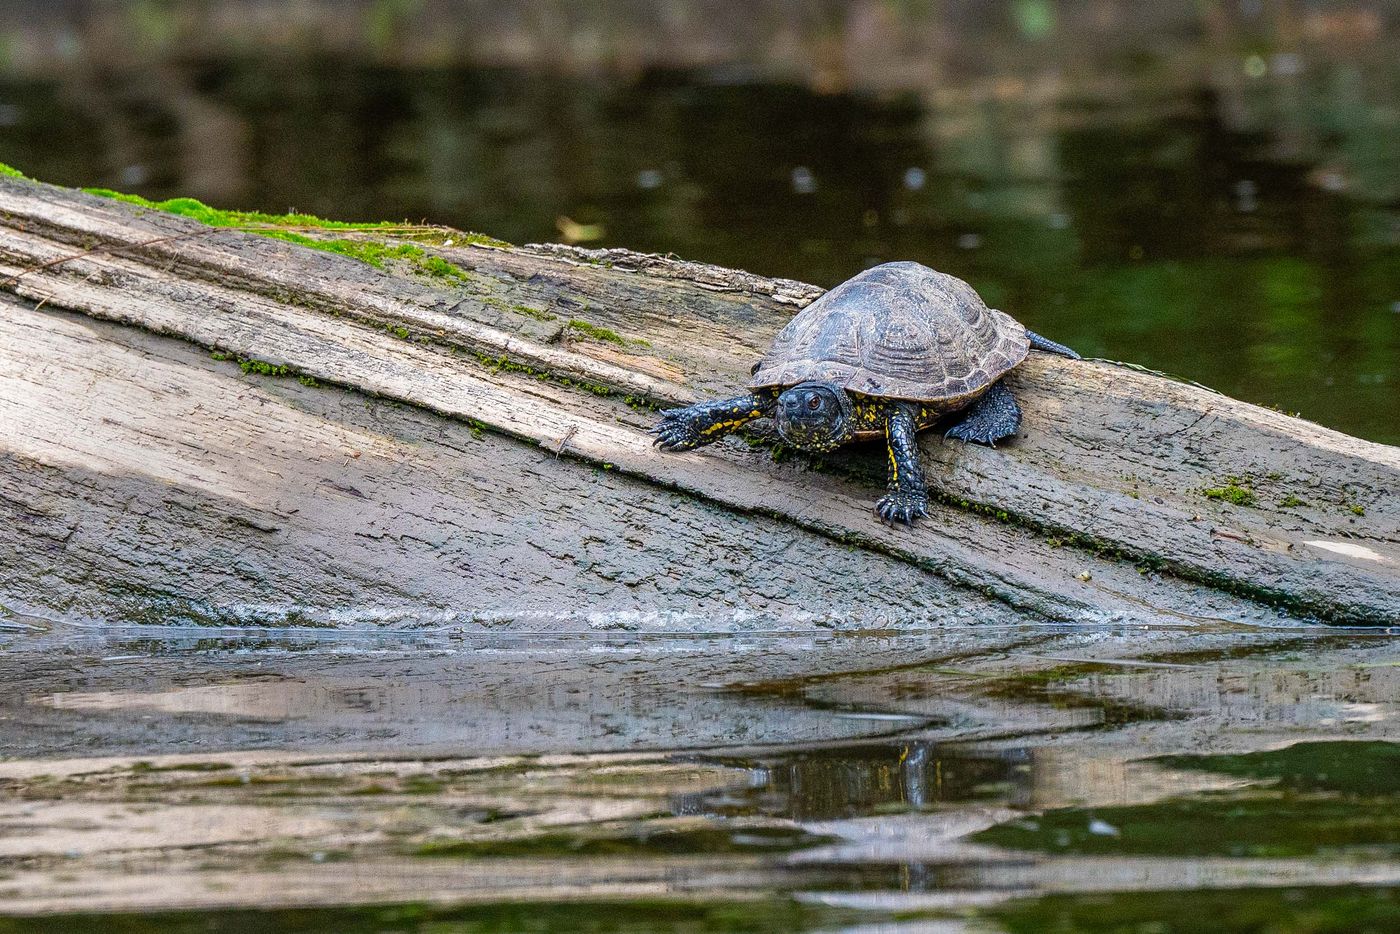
{"points": [[815, 416]]}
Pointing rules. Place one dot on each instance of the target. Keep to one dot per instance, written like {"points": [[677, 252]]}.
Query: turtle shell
{"points": [[898, 331]]}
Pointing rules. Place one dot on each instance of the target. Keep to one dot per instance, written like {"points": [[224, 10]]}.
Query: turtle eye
{"points": [[814, 402]]}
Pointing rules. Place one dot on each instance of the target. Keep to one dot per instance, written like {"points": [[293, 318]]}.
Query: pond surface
{"points": [[1224, 211], [1058, 778]]}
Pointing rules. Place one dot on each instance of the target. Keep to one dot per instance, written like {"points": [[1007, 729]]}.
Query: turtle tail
{"points": [[1049, 346]]}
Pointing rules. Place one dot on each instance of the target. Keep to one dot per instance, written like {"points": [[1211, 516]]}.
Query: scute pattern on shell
{"points": [[899, 331]]}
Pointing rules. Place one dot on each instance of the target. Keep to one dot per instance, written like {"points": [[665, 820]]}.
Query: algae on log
{"points": [[490, 467]]}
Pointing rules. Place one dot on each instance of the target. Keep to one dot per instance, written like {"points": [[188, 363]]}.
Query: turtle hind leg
{"points": [[1049, 346], [991, 418]]}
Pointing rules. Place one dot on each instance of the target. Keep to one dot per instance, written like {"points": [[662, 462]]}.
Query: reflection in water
{"points": [[643, 916], [1240, 231], [1329, 910], [290, 769], [860, 781], [1297, 910]]}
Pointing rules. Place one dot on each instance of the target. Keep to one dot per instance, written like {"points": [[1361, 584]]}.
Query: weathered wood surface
{"points": [[142, 479]]}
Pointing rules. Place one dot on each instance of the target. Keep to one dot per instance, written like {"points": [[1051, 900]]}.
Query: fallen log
{"points": [[489, 465]]}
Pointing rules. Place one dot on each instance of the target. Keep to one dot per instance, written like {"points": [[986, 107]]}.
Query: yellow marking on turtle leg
{"points": [[894, 461], [732, 423]]}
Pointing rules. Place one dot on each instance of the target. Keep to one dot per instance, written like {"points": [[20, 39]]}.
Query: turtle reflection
{"points": [[862, 780]]}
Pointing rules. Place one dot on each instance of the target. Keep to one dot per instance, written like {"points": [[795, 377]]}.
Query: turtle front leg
{"points": [[707, 422], [907, 498]]}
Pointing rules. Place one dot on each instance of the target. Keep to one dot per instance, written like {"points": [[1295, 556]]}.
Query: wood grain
{"points": [[112, 416]]}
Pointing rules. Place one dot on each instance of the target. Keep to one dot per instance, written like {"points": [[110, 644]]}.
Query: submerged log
{"points": [[460, 441]]}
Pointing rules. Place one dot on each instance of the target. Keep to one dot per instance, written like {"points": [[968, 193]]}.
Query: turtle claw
{"points": [[902, 507], [676, 431], [968, 433]]}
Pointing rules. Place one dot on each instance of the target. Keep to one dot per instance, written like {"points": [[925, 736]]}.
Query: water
{"points": [[1058, 779], [1239, 231]]}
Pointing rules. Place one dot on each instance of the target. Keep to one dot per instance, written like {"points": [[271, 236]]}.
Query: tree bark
{"points": [[469, 450]]}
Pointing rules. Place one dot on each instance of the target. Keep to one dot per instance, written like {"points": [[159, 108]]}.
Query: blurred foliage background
{"points": [[1208, 188]]}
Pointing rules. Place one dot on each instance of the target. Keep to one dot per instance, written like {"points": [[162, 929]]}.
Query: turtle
{"points": [[885, 354]]}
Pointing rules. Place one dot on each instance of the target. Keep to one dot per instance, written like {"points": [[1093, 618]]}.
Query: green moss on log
{"points": [[373, 252]]}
